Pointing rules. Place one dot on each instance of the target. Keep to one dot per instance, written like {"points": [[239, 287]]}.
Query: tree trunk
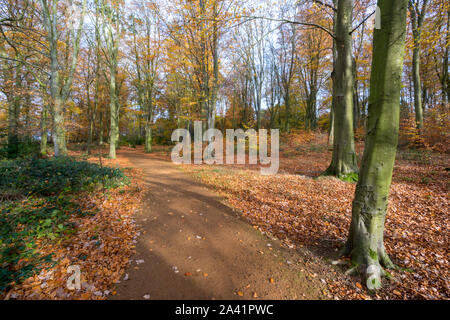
{"points": [[59, 132], [14, 113], [100, 129], [418, 108], [148, 124], [61, 78], [333, 79], [417, 16], [148, 138], [112, 49], [44, 128], [287, 106], [331, 128], [344, 157], [91, 115], [356, 108], [114, 125], [258, 116], [365, 244], [445, 78], [44, 124], [215, 86], [311, 110]]}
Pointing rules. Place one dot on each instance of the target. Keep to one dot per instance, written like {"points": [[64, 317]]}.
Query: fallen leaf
{"points": [[397, 293]]}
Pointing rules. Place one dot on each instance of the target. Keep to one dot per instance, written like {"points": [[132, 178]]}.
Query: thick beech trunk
{"points": [[344, 158], [365, 243]]}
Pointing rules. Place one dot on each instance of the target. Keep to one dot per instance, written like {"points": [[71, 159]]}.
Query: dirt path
{"points": [[195, 247]]}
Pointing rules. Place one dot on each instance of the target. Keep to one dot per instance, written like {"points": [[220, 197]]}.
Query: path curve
{"points": [[195, 247]]}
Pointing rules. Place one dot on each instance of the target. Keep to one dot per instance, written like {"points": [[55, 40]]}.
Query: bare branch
{"points": [[330, 33], [362, 22]]}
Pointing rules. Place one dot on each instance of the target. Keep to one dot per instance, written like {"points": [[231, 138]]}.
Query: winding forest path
{"points": [[192, 246]]}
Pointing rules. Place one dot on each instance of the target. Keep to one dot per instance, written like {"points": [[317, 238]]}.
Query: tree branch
{"points": [[330, 33], [362, 22]]}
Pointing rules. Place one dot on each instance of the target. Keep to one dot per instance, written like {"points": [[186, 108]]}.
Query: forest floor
{"points": [[77, 213], [192, 246], [226, 232], [310, 216]]}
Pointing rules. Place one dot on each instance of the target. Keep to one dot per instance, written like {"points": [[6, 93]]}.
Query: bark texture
{"points": [[417, 16], [365, 244], [344, 158]]}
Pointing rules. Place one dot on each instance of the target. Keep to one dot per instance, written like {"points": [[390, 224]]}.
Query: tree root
{"points": [[369, 266]]}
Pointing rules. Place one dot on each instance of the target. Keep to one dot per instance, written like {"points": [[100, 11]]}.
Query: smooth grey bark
{"points": [[204, 74], [14, 105], [44, 130], [344, 157], [445, 79], [100, 129], [91, 118], [331, 128], [111, 25], [113, 106], [311, 110], [93, 111], [333, 79], [312, 83], [356, 108], [44, 122], [60, 81], [365, 243], [215, 59], [417, 16]]}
